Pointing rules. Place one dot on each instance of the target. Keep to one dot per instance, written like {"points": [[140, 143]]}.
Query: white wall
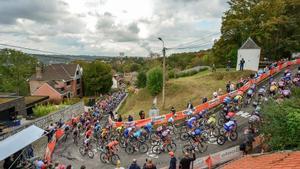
{"points": [[251, 57], [115, 83]]}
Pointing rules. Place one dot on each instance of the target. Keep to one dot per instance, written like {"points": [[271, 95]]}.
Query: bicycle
{"points": [[104, 157], [86, 150], [158, 147], [135, 145], [195, 144]]}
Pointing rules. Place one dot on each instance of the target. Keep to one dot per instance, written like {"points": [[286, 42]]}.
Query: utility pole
{"points": [[164, 72]]}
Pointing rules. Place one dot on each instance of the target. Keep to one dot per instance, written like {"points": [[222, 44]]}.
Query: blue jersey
{"points": [[190, 122], [137, 134], [148, 127]]}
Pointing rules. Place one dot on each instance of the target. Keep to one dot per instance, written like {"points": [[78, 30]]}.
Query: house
{"points": [[58, 81], [250, 52], [130, 77], [280, 160]]}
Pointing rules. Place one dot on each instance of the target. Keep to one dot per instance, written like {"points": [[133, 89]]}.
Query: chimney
{"points": [[38, 71]]}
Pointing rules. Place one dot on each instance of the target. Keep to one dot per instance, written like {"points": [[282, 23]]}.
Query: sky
{"points": [[108, 27]]}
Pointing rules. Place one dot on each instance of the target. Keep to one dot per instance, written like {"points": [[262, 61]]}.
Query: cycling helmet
{"points": [[254, 103], [197, 131], [171, 120]]}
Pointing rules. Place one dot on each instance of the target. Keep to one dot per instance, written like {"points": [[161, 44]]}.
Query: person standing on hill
{"points": [[185, 162], [242, 62]]}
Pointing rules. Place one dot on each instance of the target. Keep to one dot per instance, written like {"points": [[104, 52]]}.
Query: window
{"points": [[68, 83], [78, 81], [78, 92]]}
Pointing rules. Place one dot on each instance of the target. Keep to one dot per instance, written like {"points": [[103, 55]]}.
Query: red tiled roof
{"points": [[279, 160]]}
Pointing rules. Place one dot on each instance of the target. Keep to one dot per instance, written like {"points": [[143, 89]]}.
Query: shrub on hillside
{"points": [[141, 80], [155, 80], [281, 123], [219, 76]]}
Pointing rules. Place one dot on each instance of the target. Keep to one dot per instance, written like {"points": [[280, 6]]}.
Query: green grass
{"points": [[180, 91]]}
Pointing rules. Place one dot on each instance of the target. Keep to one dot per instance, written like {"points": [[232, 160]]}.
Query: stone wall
{"points": [[43, 122]]}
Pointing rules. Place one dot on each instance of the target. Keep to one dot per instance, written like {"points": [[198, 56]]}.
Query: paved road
{"points": [[67, 153]]}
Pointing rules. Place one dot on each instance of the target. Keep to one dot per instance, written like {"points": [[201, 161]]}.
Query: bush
{"points": [[281, 123], [43, 110], [155, 80], [141, 80], [171, 74], [190, 73], [219, 76]]}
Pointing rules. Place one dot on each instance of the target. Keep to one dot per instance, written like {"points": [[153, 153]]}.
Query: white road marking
{"points": [[150, 154], [243, 114]]}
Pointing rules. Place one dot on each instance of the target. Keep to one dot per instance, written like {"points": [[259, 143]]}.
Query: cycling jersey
{"points": [[250, 92], [137, 134], [261, 90], [229, 125], [254, 118], [190, 122], [281, 83], [165, 133], [237, 98], [273, 88], [148, 127], [127, 131], [286, 92], [112, 144], [227, 100], [211, 120]]}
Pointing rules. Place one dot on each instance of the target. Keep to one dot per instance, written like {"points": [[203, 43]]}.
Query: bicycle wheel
{"points": [[129, 149], [233, 136], [221, 121], [122, 142], [90, 154], [171, 147], [216, 132], [156, 149], [114, 159], [222, 131], [143, 148], [184, 136], [202, 147], [82, 150], [103, 157], [221, 140], [187, 149]]}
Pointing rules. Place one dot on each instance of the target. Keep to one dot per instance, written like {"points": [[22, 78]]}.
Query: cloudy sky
{"points": [[107, 27]]}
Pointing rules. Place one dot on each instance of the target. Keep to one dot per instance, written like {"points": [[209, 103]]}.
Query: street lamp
{"points": [[164, 72]]}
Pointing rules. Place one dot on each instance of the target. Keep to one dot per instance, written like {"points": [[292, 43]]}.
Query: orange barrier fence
{"points": [[179, 115], [208, 105]]}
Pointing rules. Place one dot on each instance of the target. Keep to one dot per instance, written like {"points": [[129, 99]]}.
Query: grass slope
{"points": [[180, 91]]}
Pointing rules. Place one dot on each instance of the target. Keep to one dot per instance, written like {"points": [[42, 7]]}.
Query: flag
{"points": [[208, 162]]}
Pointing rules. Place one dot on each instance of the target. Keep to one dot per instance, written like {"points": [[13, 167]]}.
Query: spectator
{"points": [[228, 87], [119, 165], [213, 67], [83, 167], [228, 65], [173, 110], [149, 165], [173, 160], [134, 165], [232, 87], [130, 118], [242, 62], [69, 167], [120, 118], [142, 114], [190, 105], [185, 162], [204, 99]]}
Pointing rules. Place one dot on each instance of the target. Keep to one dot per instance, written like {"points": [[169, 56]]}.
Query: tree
{"points": [[155, 80], [141, 80], [15, 69], [97, 78], [274, 25]]}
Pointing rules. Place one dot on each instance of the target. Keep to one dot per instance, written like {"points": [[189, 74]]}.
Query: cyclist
{"points": [[237, 100], [191, 123], [281, 84], [226, 101], [230, 126], [286, 93], [250, 93], [273, 89], [111, 147], [173, 111], [86, 143], [253, 87]]}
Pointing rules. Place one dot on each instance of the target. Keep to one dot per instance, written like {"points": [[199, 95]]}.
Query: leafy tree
{"points": [[155, 80], [274, 25], [141, 80], [97, 78], [281, 123], [134, 67], [16, 68]]}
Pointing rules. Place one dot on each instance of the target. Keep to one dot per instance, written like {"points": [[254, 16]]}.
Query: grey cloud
{"points": [[36, 10]]}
